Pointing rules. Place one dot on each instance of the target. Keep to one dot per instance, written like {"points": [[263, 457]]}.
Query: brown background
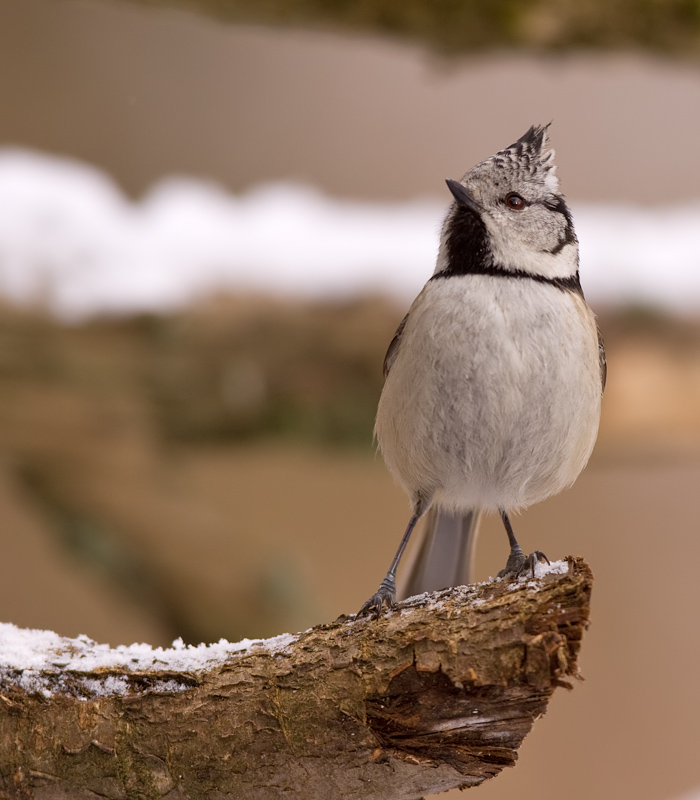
{"points": [[257, 537]]}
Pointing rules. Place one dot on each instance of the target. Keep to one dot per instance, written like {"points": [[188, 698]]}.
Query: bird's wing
{"points": [[393, 349], [601, 359]]}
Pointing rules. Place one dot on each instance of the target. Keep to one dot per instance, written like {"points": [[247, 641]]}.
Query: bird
{"points": [[494, 379]]}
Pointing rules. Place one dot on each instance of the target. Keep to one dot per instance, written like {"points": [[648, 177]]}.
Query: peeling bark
{"points": [[434, 695]]}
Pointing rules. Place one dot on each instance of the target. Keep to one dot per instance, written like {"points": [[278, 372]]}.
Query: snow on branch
{"points": [[435, 694]]}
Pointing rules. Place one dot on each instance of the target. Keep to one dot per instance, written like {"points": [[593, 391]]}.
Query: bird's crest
{"points": [[531, 156]]}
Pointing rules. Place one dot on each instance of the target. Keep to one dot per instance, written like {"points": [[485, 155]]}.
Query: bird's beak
{"points": [[463, 196]]}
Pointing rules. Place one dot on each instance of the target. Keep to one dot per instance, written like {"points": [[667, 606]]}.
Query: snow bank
{"points": [[71, 240]]}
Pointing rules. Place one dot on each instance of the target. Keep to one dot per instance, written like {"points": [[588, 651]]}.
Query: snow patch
{"points": [[543, 568], [469, 594], [44, 662]]}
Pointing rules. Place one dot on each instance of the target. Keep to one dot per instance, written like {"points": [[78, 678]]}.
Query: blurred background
{"points": [[212, 218]]}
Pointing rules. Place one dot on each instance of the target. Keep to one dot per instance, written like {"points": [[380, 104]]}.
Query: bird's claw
{"points": [[385, 596], [519, 564]]}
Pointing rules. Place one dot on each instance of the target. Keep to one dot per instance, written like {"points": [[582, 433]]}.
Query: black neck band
{"points": [[569, 284]]}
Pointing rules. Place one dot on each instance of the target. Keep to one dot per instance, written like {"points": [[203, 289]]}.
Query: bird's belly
{"points": [[495, 405]]}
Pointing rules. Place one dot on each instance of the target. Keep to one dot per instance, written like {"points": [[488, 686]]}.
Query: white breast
{"points": [[493, 400]]}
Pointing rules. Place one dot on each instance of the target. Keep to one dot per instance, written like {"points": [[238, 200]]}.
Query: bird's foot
{"points": [[385, 596], [519, 564]]}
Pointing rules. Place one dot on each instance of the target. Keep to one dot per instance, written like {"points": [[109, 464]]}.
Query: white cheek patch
{"points": [[511, 252], [562, 265]]}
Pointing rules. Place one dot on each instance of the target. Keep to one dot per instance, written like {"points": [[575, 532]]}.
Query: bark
{"points": [[436, 694]]}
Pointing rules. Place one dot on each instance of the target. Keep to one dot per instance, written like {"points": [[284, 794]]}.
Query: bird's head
{"points": [[508, 212]]}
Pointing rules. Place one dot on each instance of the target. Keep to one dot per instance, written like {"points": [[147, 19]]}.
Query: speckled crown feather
{"points": [[530, 156]]}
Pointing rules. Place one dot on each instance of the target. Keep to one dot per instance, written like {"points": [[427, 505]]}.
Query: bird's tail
{"points": [[446, 553]]}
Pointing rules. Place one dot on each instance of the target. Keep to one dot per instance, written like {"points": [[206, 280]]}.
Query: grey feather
{"points": [[602, 360], [446, 554], [393, 349]]}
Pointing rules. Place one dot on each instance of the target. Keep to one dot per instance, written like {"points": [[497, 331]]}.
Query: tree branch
{"points": [[475, 26], [436, 694]]}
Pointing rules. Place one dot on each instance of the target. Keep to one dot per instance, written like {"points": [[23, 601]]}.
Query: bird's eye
{"points": [[515, 202]]}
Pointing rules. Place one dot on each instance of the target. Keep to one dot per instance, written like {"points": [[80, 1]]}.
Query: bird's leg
{"points": [[518, 563], [386, 594]]}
